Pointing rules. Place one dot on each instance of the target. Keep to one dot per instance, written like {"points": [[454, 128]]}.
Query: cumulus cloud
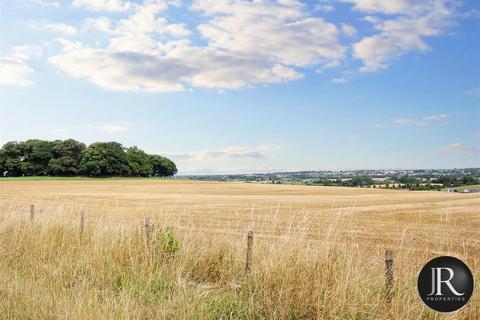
{"points": [[423, 122], [103, 5], [459, 148], [56, 27], [140, 31], [46, 3], [14, 71], [227, 153], [248, 43], [324, 7], [401, 34], [26, 52], [184, 64], [348, 30], [144, 20], [281, 31], [233, 44], [103, 24], [391, 6]]}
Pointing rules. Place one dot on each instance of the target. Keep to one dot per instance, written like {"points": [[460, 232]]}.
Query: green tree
{"points": [[37, 154], [104, 159], [360, 181], [448, 181], [70, 157], [162, 167], [138, 162], [12, 156], [468, 180], [64, 166], [66, 157]]}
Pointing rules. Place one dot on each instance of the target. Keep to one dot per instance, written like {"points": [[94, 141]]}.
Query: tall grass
{"points": [[48, 270]]}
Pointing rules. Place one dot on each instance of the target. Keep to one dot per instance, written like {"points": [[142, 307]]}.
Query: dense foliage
{"points": [[72, 158]]}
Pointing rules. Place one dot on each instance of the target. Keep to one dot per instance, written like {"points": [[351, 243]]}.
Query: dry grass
{"points": [[318, 251]]}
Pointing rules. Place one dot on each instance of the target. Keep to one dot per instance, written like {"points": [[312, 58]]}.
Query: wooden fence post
{"points": [[82, 222], [248, 263], [32, 212], [389, 273], [147, 227]]}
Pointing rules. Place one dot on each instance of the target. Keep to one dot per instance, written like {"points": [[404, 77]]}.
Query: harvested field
{"points": [[318, 251]]}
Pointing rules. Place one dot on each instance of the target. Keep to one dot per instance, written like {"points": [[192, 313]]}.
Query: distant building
{"points": [[469, 190]]}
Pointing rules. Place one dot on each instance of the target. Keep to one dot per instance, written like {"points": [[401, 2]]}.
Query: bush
{"points": [[170, 242]]}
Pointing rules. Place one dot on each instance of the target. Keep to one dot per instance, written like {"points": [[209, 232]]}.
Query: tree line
{"points": [[69, 157]]}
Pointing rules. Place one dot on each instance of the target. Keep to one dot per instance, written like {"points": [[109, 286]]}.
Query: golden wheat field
{"points": [[318, 252]]}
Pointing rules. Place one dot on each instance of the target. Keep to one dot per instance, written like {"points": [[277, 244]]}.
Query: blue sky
{"points": [[249, 86]]}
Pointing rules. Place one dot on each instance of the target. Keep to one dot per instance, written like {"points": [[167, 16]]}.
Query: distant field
{"points": [[318, 251], [469, 186]]}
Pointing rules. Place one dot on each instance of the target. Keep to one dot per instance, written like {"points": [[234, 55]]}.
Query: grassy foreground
{"points": [[318, 253], [50, 271]]}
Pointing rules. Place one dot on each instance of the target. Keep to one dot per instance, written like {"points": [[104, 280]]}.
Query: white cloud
{"points": [[423, 122], [280, 31], [474, 92], [349, 30], [26, 52], [103, 5], [115, 127], [184, 64], [249, 43], [54, 4], [339, 80], [401, 34], [144, 20], [391, 6], [269, 147], [107, 128], [56, 27], [103, 24], [226, 153], [241, 44], [344, 78], [438, 117], [324, 7], [121, 71], [459, 148], [472, 13], [286, 9], [410, 122], [14, 71], [140, 31]]}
